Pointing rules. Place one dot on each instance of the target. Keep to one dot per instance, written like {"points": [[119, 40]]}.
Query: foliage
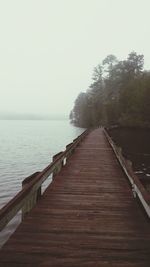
{"points": [[118, 95]]}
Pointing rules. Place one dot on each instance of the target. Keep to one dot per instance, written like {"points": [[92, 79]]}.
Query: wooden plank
{"points": [[88, 216]]}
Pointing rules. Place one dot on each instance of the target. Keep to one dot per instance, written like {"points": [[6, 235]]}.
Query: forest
{"points": [[119, 95]]}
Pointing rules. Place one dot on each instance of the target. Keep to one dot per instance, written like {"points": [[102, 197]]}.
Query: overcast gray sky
{"points": [[48, 48]]}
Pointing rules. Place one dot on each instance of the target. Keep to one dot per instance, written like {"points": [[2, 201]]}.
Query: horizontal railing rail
{"points": [[27, 198], [137, 187]]}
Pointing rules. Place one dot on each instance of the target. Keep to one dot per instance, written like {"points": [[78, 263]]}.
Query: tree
{"points": [[135, 63], [98, 73], [80, 112], [109, 62], [119, 94]]}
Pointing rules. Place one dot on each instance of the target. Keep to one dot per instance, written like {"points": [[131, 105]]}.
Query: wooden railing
{"points": [[137, 187], [27, 198]]}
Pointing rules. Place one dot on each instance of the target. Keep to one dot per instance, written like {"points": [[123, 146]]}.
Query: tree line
{"points": [[118, 95]]}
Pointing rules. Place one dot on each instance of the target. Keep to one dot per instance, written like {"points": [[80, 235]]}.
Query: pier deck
{"points": [[87, 217]]}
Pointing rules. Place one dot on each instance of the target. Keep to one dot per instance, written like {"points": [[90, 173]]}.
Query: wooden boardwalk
{"points": [[87, 217]]}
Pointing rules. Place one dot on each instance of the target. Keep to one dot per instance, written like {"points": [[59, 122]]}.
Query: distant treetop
{"points": [[119, 94]]}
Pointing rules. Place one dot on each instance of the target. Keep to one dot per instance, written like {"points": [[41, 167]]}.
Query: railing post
{"points": [[59, 165], [32, 200], [70, 152]]}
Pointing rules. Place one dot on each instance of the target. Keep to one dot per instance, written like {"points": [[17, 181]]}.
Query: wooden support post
{"points": [[33, 198], [59, 164], [70, 151]]}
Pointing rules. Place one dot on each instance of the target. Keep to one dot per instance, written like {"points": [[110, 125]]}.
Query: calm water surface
{"points": [[135, 144], [27, 147]]}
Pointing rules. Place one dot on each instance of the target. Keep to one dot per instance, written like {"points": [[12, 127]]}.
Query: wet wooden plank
{"points": [[87, 217]]}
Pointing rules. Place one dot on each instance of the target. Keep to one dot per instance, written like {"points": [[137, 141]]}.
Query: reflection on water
{"points": [[136, 147]]}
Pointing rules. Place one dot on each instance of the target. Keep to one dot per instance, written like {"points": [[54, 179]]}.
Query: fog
{"points": [[48, 48]]}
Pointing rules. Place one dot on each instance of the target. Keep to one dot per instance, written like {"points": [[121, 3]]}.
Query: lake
{"points": [[27, 146], [135, 147]]}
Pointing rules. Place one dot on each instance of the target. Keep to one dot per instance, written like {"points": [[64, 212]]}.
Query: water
{"points": [[27, 147], [136, 147]]}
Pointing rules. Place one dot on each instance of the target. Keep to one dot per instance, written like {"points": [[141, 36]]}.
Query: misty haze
{"points": [[74, 133]]}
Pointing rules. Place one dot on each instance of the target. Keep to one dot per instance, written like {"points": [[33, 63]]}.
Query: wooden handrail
{"points": [[137, 187], [27, 198]]}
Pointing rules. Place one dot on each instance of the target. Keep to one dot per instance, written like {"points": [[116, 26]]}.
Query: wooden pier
{"points": [[88, 216]]}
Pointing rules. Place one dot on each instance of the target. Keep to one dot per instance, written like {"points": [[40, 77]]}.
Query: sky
{"points": [[49, 48]]}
